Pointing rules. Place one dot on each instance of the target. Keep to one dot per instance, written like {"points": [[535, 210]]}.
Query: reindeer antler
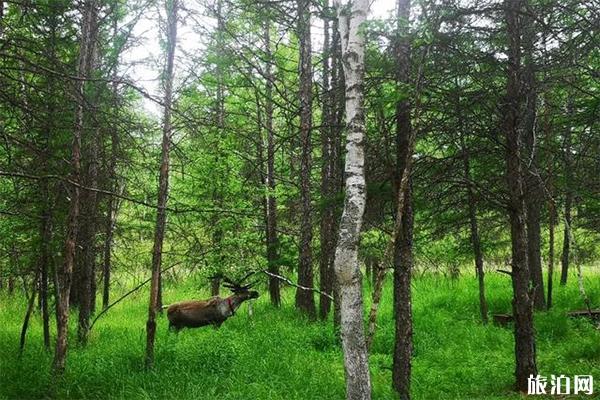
{"points": [[237, 287]]}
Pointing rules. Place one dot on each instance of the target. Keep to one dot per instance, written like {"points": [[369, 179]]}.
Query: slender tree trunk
{"points": [[551, 225], [305, 300], [378, 279], [475, 240], [45, 258], [568, 161], [349, 277], [30, 306], [338, 101], [551, 203], [525, 352], [163, 181], [474, 226], [403, 227], [270, 201], [327, 215], [87, 237], [533, 189], [64, 275]]}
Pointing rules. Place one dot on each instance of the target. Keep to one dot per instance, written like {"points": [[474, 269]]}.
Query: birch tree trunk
{"points": [[356, 363], [64, 274], [163, 181], [522, 301]]}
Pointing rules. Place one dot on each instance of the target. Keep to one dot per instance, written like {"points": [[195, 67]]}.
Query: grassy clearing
{"points": [[278, 355]]}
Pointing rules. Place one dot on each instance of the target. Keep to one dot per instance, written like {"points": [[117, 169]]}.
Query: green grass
{"points": [[277, 354]]}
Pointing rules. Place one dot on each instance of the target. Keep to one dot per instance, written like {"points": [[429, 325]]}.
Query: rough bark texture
{"points": [[349, 277], [336, 160], [163, 181], [113, 203], [271, 202], [64, 274], [327, 214], [533, 189], [522, 302], [403, 227], [305, 300]]}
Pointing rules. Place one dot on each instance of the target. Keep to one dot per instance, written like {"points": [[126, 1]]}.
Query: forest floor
{"points": [[276, 354]]}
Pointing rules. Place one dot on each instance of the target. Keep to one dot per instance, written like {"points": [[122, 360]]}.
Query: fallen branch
{"points": [[289, 282]]}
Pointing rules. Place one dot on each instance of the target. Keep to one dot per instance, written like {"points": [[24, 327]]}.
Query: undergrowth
{"points": [[277, 354]]}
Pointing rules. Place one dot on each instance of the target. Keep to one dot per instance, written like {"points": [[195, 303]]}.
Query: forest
{"points": [[299, 199]]}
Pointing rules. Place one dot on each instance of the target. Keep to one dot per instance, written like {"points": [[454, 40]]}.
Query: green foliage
{"points": [[275, 354]]}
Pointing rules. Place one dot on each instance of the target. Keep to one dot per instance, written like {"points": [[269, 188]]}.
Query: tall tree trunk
{"points": [[163, 181], [88, 207], [45, 258], [568, 165], [475, 240], [551, 202], [349, 277], [327, 191], [338, 100], [525, 353], [64, 275], [403, 227], [305, 300], [533, 189], [87, 238], [270, 201], [551, 225]]}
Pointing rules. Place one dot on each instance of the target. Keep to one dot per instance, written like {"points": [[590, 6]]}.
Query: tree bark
{"points": [[475, 240], [336, 160], [349, 277], [327, 232], [270, 201], [533, 189], [113, 203], [30, 305], [163, 181], [64, 275], [525, 352], [551, 204], [403, 227], [305, 300], [568, 165]]}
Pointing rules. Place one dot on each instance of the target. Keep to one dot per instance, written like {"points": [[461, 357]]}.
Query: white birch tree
{"points": [[358, 383]]}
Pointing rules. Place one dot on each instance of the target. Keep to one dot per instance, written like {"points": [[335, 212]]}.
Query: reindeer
{"points": [[214, 311]]}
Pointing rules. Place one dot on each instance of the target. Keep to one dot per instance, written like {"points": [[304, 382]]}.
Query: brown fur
{"points": [[198, 313]]}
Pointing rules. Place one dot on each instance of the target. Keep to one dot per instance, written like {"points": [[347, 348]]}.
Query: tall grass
{"points": [[276, 354]]}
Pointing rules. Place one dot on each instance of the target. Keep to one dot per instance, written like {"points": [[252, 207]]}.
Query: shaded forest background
{"points": [[244, 169]]}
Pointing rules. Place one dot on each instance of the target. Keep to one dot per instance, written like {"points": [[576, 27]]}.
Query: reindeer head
{"points": [[242, 291]]}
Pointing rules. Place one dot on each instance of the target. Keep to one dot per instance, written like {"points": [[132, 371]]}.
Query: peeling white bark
{"points": [[356, 363]]}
